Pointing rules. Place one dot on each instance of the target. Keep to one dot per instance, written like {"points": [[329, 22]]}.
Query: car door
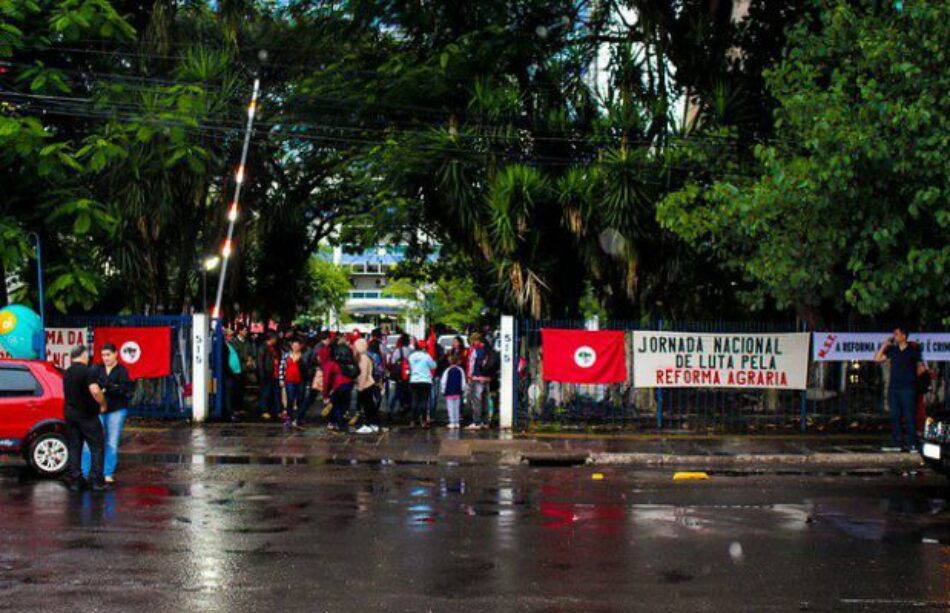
{"points": [[20, 404]]}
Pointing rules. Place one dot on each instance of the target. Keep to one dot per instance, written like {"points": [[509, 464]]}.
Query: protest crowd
{"points": [[359, 383]]}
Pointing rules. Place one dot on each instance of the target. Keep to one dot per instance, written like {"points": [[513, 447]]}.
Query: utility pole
{"points": [[233, 209]]}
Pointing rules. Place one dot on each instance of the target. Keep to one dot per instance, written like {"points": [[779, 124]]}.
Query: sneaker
{"points": [[375, 429], [365, 430], [101, 487], [472, 427], [354, 419], [326, 410], [109, 480]]}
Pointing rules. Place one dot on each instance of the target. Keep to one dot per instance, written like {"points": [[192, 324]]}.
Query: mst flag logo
{"points": [[583, 356]]}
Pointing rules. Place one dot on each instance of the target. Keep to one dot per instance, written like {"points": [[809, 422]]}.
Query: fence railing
{"points": [[161, 398], [841, 396]]}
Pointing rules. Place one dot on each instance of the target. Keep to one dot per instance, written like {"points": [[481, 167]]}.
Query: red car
{"points": [[31, 415]]}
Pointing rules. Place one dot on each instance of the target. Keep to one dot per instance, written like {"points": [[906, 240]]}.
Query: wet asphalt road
{"points": [[232, 537]]}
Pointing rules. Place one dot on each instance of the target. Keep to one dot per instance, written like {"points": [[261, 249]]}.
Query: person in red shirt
{"points": [[291, 380], [338, 379]]}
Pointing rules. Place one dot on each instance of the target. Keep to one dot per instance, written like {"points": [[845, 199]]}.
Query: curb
{"points": [[816, 460]]}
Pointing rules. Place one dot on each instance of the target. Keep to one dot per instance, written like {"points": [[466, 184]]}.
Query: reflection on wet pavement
{"points": [[257, 536]]}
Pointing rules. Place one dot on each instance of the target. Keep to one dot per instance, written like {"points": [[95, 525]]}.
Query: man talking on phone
{"points": [[906, 363]]}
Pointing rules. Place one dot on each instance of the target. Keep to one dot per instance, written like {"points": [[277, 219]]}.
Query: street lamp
{"points": [[209, 264]]}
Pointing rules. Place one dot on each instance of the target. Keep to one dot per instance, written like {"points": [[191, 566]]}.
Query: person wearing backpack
{"points": [[366, 389], [338, 377], [232, 378], [480, 383], [421, 366], [380, 373], [399, 373]]}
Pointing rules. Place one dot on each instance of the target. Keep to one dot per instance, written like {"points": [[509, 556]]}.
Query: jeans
{"points": [[295, 398], [479, 400], [903, 405], [270, 396], [420, 401], [454, 405], [112, 424], [340, 400], [81, 431]]}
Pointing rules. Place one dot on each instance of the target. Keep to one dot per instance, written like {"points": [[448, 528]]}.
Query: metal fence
{"points": [[162, 398], [841, 396]]}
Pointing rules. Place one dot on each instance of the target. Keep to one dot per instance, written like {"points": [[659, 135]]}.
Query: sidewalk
{"points": [[271, 444]]}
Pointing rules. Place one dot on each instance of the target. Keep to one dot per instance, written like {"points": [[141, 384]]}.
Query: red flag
{"points": [[582, 356], [145, 352], [431, 345]]}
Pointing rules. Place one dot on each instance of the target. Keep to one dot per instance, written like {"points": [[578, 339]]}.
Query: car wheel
{"points": [[49, 454]]}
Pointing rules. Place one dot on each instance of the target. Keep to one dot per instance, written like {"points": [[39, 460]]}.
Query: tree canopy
{"points": [[622, 157]]}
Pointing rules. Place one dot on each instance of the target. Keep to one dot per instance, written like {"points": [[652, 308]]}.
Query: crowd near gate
{"points": [[158, 397], [849, 395]]}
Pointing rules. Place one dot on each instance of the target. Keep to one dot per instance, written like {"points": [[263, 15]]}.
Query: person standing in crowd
{"points": [[366, 389], [491, 368], [421, 366], [84, 401], [113, 379], [232, 377], [458, 348], [338, 376], [453, 388], [906, 364], [291, 377], [379, 375], [480, 383], [268, 374], [399, 372], [245, 350]]}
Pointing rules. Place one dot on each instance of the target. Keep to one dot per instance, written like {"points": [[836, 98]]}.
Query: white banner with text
{"points": [[861, 346], [738, 360]]}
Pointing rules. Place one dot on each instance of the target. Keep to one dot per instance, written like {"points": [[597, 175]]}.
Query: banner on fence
{"points": [[60, 342], [583, 356], [862, 346], [146, 352], [738, 360]]}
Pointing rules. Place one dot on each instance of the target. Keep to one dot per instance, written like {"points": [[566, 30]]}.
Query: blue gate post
{"points": [[804, 417], [218, 368]]}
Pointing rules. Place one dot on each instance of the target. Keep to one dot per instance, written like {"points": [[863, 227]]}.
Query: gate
{"points": [[841, 396], [161, 398]]}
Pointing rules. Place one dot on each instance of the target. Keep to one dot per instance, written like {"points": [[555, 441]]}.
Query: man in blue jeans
{"points": [[906, 363]]}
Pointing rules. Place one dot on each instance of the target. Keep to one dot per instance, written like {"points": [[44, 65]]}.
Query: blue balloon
{"points": [[19, 326]]}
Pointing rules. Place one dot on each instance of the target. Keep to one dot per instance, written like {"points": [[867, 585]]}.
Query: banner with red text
{"points": [[60, 342], [738, 360]]}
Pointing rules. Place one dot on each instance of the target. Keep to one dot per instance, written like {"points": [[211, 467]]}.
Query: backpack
{"points": [[234, 362], [344, 357], [379, 369]]}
